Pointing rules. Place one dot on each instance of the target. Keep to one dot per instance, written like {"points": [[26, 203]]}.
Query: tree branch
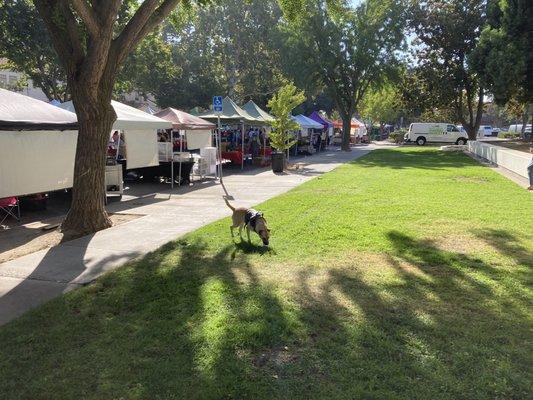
{"points": [[145, 18], [69, 52], [87, 15]]}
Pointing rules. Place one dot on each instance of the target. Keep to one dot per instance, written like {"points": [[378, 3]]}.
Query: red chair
{"points": [[7, 208]]}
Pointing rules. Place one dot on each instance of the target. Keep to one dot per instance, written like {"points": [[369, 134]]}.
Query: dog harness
{"points": [[251, 217]]}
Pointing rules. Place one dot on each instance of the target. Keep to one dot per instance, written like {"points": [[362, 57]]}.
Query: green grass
{"points": [[404, 275]]}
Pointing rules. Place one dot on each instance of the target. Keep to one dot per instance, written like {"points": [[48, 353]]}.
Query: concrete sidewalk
{"points": [[31, 280]]}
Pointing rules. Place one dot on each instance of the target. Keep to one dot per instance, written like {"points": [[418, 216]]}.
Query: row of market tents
{"points": [[38, 140]]}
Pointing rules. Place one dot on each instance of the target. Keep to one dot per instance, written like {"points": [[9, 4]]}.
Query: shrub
{"points": [[397, 136], [509, 135]]}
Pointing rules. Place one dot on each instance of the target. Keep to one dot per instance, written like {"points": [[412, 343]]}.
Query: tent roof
{"points": [[183, 120], [315, 116], [129, 117], [19, 112], [306, 123], [255, 111], [230, 111], [354, 124]]}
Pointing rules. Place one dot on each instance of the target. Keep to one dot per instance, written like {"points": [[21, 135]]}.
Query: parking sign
{"points": [[217, 103]]}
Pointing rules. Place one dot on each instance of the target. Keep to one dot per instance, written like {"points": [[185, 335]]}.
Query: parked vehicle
{"points": [[422, 133], [518, 129], [484, 130]]}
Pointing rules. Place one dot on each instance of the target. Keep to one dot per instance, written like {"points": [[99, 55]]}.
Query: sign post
{"points": [[218, 109]]}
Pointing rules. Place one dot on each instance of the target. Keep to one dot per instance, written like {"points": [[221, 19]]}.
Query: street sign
{"points": [[217, 103]]}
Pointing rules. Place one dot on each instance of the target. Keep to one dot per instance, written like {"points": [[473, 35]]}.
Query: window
{"points": [[452, 128]]}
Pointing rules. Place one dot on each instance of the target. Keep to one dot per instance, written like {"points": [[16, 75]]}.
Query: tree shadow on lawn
{"points": [[187, 323], [415, 159], [436, 331]]}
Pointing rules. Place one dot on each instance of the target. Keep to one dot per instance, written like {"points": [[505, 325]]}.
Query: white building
{"points": [[9, 80]]}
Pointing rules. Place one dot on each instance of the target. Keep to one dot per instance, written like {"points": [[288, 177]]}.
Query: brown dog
{"points": [[251, 220]]}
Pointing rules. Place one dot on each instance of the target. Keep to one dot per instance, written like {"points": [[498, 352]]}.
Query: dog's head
{"points": [[262, 230]]}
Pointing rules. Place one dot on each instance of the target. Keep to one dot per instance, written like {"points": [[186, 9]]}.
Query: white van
{"points": [[422, 133]]}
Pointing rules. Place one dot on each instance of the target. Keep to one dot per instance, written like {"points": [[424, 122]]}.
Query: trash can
{"points": [[278, 161]]}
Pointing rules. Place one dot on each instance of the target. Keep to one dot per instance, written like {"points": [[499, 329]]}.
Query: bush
{"points": [[397, 136], [509, 135]]}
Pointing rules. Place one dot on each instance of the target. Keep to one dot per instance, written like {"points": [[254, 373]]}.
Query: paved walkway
{"points": [[36, 278]]}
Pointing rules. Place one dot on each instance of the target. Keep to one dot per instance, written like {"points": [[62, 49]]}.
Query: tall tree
{"points": [[26, 44], [346, 49], [504, 56], [92, 40], [229, 48], [382, 104], [447, 33]]}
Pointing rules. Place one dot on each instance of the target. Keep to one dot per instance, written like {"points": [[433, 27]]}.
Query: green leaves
{"points": [[281, 106]]}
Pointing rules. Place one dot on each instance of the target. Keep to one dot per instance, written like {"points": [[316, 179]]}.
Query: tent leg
{"points": [[242, 149], [181, 151], [172, 171]]}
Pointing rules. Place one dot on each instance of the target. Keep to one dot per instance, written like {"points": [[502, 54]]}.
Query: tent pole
{"points": [[242, 149], [172, 166], [181, 151], [219, 149]]}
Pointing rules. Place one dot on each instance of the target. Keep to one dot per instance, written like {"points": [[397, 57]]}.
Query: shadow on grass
{"points": [[185, 322], [415, 158]]}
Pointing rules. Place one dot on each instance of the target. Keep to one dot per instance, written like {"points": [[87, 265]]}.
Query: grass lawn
{"points": [[405, 275]]}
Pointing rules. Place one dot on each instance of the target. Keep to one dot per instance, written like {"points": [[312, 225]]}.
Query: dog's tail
{"points": [[228, 204]]}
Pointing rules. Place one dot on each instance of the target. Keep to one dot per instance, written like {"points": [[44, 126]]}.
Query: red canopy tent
{"points": [[184, 121], [196, 130]]}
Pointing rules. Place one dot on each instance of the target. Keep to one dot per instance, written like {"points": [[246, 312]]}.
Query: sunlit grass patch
{"points": [[406, 274]]}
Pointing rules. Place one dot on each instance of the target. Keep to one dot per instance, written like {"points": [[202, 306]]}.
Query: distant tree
{"points": [[25, 42], [229, 48], [281, 105], [382, 104], [147, 68], [346, 49], [504, 56], [447, 34]]}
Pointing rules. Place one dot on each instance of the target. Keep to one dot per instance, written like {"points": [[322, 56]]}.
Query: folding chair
{"points": [[7, 208]]}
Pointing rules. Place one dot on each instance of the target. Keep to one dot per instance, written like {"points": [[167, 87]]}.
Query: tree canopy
{"points": [[345, 49]]}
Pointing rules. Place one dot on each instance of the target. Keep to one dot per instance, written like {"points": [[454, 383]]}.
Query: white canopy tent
{"points": [[140, 131], [306, 123], [37, 145]]}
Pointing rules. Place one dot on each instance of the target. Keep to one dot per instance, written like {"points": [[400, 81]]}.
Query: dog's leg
{"points": [[248, 233], [231, 231], [240, 231]]}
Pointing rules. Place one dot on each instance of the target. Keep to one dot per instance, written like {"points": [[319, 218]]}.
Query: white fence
{"points": [[513, 160]]}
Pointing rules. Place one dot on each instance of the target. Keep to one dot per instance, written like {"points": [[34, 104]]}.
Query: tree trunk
{"points": [[525, 119], [346, 132], [87, 212]]}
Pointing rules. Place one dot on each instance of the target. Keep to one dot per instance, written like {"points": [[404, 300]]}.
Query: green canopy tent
{"points": [[258, 113], [255, 111], [231, 112]]}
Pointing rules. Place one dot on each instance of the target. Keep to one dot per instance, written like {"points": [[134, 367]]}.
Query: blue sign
{"points": [[217, 103]]}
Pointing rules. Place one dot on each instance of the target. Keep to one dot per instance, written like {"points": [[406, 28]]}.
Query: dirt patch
{"points": [[26, 239], [471, 179]]}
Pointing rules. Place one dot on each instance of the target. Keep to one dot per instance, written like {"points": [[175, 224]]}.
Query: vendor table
{"points": [[234, 156], [164, 169]]}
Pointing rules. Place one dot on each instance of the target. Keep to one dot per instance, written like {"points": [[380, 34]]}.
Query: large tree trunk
{"points": [[87, 212], [346, 132]]}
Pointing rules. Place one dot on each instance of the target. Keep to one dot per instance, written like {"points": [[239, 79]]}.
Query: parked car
{"points": [[484, 130], [422, 133]]}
